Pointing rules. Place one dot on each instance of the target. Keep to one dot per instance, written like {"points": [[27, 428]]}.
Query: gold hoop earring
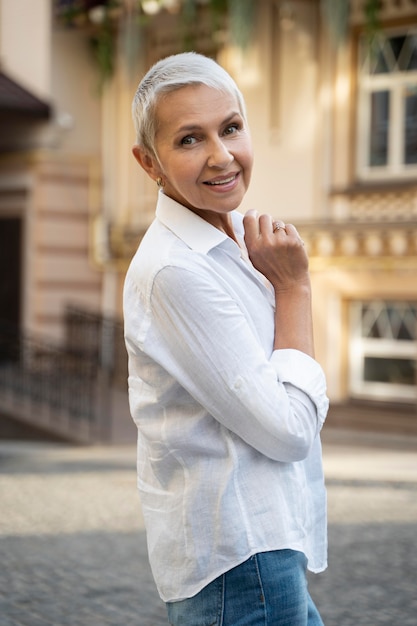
{"points": [[160, 182]]}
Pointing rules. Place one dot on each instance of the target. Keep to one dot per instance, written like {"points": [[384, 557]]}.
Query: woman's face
{"points": [[204, 149]]}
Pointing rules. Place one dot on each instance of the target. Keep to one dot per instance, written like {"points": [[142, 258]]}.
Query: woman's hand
{"points": [[277, 251]]}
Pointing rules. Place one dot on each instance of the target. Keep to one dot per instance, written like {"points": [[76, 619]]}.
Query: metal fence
{"points": [[101, 337], [64, 388]]}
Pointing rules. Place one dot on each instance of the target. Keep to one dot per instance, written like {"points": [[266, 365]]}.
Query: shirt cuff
{"points": [[302, 371]]}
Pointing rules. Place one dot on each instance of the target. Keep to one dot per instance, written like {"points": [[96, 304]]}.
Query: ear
{"points": [[147, 162]]}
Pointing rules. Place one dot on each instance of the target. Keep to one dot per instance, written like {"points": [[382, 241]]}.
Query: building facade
{"points": [[334, 126]]}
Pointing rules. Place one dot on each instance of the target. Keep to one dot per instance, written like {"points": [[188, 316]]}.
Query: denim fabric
{"points": [[269, 589]]}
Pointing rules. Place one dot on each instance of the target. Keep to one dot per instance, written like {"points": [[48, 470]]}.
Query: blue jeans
{"points": [[269, 589]]}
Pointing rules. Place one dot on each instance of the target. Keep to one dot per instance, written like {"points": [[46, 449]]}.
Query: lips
{"points": [[225, 180]]}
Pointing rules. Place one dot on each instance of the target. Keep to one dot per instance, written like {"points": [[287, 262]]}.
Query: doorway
{"points": [[10, 270]]}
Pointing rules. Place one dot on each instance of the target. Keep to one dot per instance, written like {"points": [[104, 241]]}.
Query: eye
{"points": [[189, 140], [231, 129]]}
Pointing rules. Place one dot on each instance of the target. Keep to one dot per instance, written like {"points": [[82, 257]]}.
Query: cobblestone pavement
{"points": [[73, 550]]}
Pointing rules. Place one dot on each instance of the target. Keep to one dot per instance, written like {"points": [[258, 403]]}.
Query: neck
{"points": [[219, 220]]}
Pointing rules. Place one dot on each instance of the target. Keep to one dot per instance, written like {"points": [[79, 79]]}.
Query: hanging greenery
{"points": [[371, 10], [117, 25], [241, 21], [336, 15], [103, 48]]}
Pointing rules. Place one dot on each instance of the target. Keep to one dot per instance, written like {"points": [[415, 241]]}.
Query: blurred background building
{"points": [[331, 90]]}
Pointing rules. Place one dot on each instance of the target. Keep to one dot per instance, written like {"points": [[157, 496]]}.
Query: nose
{"points": [[219, 155]]}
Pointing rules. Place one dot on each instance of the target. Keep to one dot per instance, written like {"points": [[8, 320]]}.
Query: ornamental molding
{"points": [[355, 245], [387, 10], [383, 245]]}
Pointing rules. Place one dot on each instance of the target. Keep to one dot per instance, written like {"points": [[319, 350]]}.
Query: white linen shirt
{"points": [[229, 454]]}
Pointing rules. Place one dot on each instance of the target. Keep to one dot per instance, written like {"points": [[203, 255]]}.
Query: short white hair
{"points": [[170, 74]]}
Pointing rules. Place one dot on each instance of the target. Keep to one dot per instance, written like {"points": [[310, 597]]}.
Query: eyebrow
{"points": [[190, 127]]}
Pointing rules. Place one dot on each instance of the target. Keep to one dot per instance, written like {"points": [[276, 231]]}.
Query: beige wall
{"points": [[279, 79], [25, 43], [75, 96]]}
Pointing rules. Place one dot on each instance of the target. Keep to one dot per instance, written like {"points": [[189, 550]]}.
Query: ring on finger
{"points": [[276, 226]]}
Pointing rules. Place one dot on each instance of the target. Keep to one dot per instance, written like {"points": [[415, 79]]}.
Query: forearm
{"points": [[293, 319], [283, 260]]}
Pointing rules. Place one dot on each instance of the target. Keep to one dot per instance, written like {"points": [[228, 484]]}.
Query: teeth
{"points": [[223, 182]]}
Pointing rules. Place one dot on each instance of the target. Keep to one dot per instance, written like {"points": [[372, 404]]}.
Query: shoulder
{"points": [[164, 258]]}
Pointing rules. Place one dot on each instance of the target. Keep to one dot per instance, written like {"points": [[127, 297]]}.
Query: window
{"points": [[383, 350], [387, 106]]}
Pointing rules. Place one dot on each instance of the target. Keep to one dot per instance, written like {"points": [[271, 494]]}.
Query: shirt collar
{"points": [[198, 234]]}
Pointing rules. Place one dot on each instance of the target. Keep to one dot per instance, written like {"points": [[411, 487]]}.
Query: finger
{"points": [[291, 229], [251, 225], [293, 234], [265, 224]]}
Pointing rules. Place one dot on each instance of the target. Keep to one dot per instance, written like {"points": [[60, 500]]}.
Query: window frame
{"points": [[396, 84], [361, 347]]}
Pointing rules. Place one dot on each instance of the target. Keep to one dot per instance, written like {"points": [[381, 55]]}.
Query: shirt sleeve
{"points": [[200, 334], [303, 373]]}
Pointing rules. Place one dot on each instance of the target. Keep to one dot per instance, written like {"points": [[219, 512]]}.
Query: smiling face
{"points": [[204, 151]]}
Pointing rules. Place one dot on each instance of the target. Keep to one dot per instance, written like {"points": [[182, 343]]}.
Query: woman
{"points": [[223, 385]]}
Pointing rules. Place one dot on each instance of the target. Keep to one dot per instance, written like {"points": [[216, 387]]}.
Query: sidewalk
{"points": [[73, 548], [369, 456], [347, 455]]}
